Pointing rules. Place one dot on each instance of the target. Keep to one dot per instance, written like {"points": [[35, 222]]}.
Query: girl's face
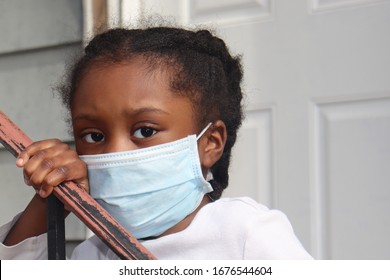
{"points": [[121, 107]]}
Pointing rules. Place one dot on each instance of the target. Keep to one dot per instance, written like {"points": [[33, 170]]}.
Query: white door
{"points": [[316, 139]]}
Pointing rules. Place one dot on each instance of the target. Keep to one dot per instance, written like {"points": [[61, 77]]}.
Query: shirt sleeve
{"points": [[33, 248], [271, 236]]}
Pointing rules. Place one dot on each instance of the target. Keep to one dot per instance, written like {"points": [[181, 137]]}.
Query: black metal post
{"points": [[55, 229]]}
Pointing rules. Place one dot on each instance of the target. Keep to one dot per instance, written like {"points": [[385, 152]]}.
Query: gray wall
{"points": [[38, 38]]}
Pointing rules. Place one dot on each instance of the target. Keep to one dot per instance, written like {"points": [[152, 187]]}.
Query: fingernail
{"points": [[19, 161], [42, 192]]}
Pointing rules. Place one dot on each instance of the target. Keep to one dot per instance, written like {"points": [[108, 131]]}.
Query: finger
{"points": [[65, 165], [42, 161], [41, 169], [45, 192], [75, 171], [31, 150], [27, 180]]}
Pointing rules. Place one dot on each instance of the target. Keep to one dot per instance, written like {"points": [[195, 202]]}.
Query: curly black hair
{"points": [[200, 67]]}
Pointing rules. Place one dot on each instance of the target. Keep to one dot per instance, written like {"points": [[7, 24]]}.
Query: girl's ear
{"points": [[211, 145]]}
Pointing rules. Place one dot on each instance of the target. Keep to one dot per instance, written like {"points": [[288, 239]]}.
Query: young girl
{"points": [[155, 114]]}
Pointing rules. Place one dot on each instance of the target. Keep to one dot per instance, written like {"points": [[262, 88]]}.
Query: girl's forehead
{"points": [[127, 86], [132, 74]]}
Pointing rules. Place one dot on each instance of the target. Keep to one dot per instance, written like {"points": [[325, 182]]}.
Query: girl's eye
{"points": [[93, 137], [144, 132]]}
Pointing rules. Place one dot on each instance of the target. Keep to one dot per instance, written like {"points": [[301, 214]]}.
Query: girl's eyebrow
{"points": [[127, 113], [84, 116], [144, 110]]}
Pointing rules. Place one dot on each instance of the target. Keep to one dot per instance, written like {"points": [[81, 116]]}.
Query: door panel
{"points": [[352, 179]]}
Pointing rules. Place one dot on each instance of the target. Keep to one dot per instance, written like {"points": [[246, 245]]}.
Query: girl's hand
{"points": [[48, 163], [45, 165]]}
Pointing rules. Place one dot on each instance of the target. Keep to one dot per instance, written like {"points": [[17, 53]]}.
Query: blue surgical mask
{"points": [[149, 190]]}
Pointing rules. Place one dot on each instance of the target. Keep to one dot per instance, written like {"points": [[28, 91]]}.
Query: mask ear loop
{"points": [[203, 131], [209, 173]]}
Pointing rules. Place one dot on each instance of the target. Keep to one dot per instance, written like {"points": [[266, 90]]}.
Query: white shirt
{"points": [[229, 228]]}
